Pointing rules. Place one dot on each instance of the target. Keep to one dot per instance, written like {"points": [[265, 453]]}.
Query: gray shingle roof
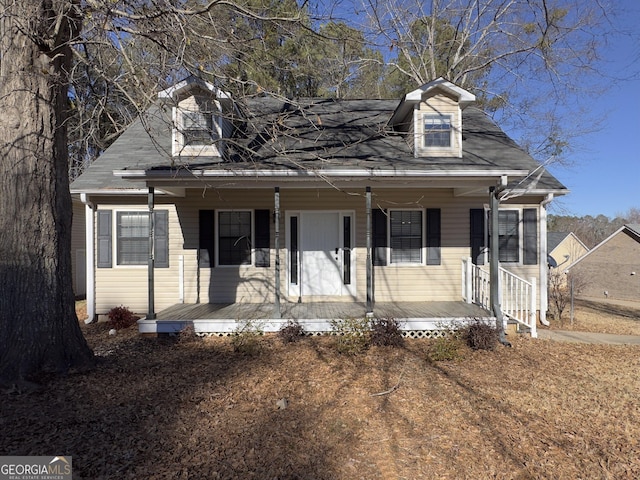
{"points": [[634, 227], [554, 239], [310, 134]]}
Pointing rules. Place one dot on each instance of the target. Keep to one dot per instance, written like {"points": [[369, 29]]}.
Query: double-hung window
{"points": [[509, 235], [197, 128], [517, 232], [130, 232], [406, 236], [234, 238], [132, 238], [437, 131]]}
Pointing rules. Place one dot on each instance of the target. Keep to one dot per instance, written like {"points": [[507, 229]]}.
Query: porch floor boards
{"points": [[321, 310]]}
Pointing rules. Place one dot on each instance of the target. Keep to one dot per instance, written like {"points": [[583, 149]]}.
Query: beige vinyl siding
{"points": [[128, 285], [427, 282], [439, 104]]}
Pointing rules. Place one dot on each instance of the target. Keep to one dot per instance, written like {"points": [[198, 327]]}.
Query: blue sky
{"points": [[604, 171], [605, 174]]}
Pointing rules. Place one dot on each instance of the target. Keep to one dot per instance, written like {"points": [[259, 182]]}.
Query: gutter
{"points": [[320, 174], [89, 257], [544, 273]]}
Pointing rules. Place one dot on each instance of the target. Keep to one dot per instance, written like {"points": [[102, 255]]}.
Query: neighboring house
{"points": [[611, 269], [311, 209], [564, 248]]}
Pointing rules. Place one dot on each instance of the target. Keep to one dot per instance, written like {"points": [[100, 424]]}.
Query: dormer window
{"points": [[200, 121], [437, 131], [432, 115], [197, 128]]}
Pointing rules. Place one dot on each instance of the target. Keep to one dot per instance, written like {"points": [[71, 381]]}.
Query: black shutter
{"points": [[262, 236], [207, 239], [530, 234], [433, 237], [476, 240], [293, 258], [104, 239], [379, 237], [346, 251], [161, 239]]}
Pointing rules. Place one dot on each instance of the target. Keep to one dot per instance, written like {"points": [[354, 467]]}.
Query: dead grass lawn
{"points": [[161, 408]]}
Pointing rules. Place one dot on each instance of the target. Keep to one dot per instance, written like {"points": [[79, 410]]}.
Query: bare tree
{"points": [[562, 286], [522, 59], [38, 326], [126, 49]]}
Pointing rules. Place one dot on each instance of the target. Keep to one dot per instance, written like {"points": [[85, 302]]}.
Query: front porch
{"points": [[417, 319]]}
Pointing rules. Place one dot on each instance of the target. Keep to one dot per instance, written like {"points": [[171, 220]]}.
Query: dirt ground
{"points": [[191, 408]]}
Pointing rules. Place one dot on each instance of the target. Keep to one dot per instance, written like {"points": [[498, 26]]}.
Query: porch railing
{"points": [[517, 296]]}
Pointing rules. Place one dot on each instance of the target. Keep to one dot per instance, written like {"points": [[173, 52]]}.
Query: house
{"points": [[564, 248], [311, 210], [611, 269]]}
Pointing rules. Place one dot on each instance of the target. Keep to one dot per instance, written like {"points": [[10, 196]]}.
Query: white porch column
{"points": [[89, 234]]}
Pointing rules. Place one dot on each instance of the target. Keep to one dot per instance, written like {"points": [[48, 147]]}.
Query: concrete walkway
{"points": [[586, 337]]}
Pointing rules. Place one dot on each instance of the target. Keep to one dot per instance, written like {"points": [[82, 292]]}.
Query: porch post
{"points": [[369, 262], [151, 313], [494, 265], [277, 313]]}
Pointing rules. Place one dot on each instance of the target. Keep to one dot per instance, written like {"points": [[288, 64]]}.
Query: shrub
{"points": [[481, 336], [385, 332], [121, 317], [352, 335], [291, 332], [246, 339], [445, 348]]}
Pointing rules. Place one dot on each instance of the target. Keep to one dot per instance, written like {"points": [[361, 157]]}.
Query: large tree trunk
{"points": [[39, 330]]}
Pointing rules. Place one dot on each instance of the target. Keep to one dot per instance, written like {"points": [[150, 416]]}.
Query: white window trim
{"points": [[452, 129], [423, 247], [452, 151], [177, 137], [252, 240], [115, 239]]}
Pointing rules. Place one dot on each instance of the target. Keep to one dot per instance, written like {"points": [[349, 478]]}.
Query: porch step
{"points": [[513, 326]]}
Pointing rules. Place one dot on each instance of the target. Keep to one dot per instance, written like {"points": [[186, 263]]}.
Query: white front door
{"points": [[320, 253]]}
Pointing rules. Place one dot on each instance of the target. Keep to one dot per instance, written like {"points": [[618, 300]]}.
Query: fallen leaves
{"points": [[164, 408]]}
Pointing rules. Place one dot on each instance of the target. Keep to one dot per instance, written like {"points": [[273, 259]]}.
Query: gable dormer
{"points": [[198, 121], [432, 116]]}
